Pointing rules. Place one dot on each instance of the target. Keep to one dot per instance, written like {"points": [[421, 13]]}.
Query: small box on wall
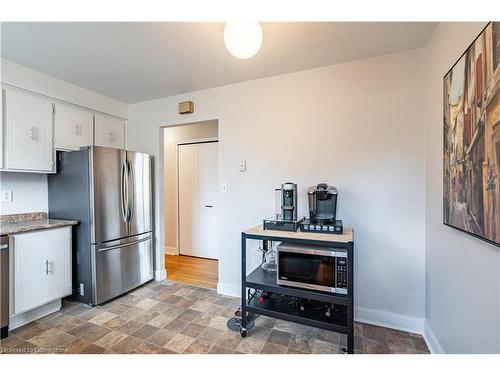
{"points": [[186, 107]]}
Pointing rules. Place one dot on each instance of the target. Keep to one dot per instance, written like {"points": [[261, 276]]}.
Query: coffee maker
{"points": [[322, 203], [289, 201], [322, 210], [286, 209]]}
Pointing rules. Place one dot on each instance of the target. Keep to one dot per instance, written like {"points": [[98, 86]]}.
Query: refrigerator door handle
{"points": [[125, 244], [124, 193], [130, 191]]}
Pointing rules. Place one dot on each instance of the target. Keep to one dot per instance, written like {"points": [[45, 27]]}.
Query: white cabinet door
{"points": [[197, 171], [73, 127], [41, 268], [28, 132], [109, 131]]}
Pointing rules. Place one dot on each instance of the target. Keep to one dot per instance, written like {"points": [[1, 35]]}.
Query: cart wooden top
{"points": [[346, 237]]}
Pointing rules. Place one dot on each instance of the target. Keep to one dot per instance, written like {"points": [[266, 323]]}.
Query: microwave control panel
{"points": [[341, 272]]}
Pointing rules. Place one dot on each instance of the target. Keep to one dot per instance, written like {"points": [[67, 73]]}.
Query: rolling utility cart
{"points": [[341, 321]]}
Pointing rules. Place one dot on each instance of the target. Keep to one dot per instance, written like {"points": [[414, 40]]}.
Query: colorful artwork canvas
{"points": [[471, 157]]}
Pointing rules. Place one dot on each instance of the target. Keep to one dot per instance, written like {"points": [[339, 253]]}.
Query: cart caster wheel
{"points": [[243, 332]]}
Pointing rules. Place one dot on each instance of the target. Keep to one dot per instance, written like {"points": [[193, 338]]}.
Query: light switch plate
{"points": [[6, 195], [223, 187]]}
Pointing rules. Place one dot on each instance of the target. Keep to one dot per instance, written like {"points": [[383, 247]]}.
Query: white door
{"points": [[188, 199], [207, 196], [41, 268], [73, 127], [109, 131], [198, 171], [28, 132]]}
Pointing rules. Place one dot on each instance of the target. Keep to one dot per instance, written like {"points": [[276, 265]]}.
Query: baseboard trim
{"points": [[361, 314], [170, 250], [389, 320], [160, 275], [228, 289], [32, 315], [431, 340]]}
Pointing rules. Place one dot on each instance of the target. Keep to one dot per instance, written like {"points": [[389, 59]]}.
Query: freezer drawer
{"points": [[122, 265]]}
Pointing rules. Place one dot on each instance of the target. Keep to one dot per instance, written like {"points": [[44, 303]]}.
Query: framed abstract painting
{"points": [[471, 153]]}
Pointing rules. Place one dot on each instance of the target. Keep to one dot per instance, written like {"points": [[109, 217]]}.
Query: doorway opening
{"points": [[190, 202]]}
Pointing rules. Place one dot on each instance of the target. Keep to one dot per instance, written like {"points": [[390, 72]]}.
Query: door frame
{"points": [[177, 144]]}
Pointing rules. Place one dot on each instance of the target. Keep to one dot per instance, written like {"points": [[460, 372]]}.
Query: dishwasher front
{"points": [[4, 286]]}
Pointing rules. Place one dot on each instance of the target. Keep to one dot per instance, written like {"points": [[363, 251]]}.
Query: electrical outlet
{"points": [[6, 195]]}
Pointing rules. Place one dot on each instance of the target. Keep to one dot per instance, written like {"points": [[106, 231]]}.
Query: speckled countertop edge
{"points": [[19, 223]]}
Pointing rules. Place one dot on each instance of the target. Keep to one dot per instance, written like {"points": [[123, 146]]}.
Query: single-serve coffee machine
{"points": [[289, 201], [322, 210], [286, 209], [322, 203]]}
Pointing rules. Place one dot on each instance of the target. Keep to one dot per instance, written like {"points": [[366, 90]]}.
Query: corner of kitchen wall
{"points": [[462, 273]]}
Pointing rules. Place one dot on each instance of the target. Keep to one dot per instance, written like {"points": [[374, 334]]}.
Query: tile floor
{"points": [[171, 317]]}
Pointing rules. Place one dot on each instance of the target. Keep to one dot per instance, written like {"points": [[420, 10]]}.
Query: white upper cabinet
{"points": [[29, 122], [33, 127], [109, 131], [73, 127]]}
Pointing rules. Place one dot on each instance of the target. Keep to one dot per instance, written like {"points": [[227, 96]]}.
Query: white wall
{"points": [[30, 190], [172, 136], [462, 273], [356, 125]]}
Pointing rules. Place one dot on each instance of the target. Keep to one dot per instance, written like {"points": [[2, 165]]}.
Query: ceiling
{"points": [[134, 62]]}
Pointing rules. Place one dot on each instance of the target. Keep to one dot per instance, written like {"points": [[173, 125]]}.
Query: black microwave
{"points": [[312, 267]]}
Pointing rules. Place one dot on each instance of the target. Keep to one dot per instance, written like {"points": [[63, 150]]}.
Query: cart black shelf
{"points": [[261, 280]]}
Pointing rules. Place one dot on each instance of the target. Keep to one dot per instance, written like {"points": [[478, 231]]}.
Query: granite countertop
{"points": [[11, 224]]}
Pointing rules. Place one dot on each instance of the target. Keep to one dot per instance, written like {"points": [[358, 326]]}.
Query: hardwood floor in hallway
{"points": [[192, 270]]}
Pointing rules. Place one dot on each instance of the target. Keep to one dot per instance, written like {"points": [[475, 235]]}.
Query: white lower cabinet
{"points": [[41, 268]]}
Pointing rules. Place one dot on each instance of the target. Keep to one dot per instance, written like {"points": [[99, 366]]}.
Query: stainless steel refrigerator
{"points": [[109, 192]]}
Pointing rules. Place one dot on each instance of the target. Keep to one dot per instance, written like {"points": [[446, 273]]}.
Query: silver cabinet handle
{"points": [[32, 133], [46, 267], [77, 129], [208, 206]]}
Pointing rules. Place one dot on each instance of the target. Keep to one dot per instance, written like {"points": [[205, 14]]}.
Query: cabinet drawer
{"points": [[41, 268]]}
